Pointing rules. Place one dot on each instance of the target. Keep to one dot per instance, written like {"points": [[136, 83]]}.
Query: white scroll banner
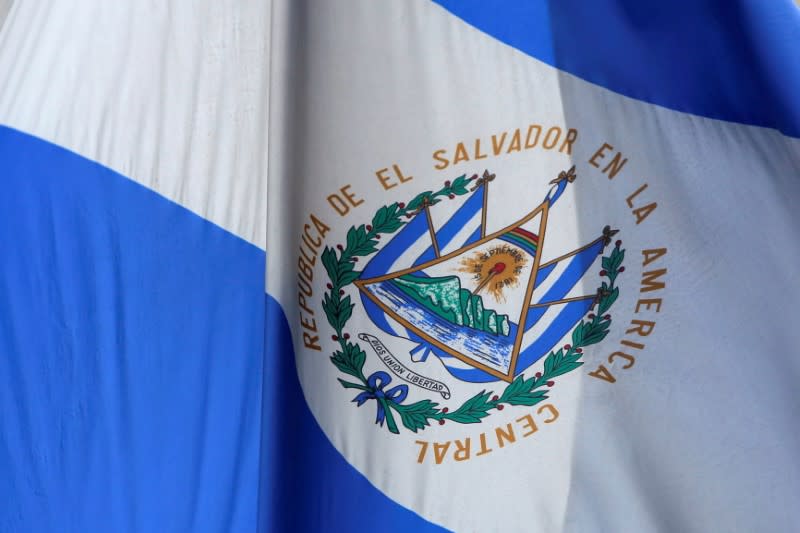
{"points": [[401, 371]]}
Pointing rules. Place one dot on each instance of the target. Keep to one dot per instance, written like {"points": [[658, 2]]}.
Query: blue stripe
{"points": [[561, 326], [543, 273], [455, 224], [307, 486], [734, 60], [476, 235], [131, 352], [577, 267], [135, 393]]}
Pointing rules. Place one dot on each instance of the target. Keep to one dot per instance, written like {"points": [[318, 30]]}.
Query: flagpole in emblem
{"points": [[482, 302]]}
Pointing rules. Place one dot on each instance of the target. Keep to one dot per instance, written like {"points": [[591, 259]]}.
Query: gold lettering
{"points": [[652, 254], [461, 154], [385, 181], [572, 134], [553, 413], [623, 355], [648, 303], [503, 436], [320, 226], [439, 451], [643, 327], [443, 161], [603, 373], [600, 154], [497, 148], [423, 448], [311, 341], [649, 280], [516, 142], [553, 140], [484, 449], [461, 452], [528, 142], [478, 154], [529, 424]]}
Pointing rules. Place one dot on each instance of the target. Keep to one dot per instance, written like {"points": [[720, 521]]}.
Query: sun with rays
{"points": [[495, 269]]}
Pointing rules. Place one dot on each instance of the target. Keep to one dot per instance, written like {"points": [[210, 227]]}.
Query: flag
{"points": [[412, 266]]}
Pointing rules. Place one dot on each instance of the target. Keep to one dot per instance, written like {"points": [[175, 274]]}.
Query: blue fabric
{"points": [[736, 60], [131, 341], [132, 350], [311, 487]]}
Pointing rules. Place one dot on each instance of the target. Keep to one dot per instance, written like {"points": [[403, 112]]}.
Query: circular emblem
{"points": [[480, 300]]}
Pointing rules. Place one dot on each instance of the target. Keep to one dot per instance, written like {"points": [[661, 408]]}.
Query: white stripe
{"points": [[171, 94], [463, 234], [407, 258], [547, 284]]}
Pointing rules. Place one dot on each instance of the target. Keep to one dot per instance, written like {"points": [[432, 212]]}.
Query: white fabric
{"points": [[177, 95], [678, 443]]}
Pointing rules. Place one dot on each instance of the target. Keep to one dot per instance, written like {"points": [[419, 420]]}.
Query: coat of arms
{"points": [[483, 301]]}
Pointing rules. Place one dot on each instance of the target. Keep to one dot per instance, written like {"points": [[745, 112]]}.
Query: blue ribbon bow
{"points": [[377, 381]]}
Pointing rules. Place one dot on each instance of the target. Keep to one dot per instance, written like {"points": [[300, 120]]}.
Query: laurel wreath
{"points": [[362, 241]]}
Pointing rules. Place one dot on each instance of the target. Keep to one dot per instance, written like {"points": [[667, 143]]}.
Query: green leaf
{"points": [[381, 216], [565, 367], [414, 204], [331, 311], [528, 399], [615, 261], [415, 416], [350, 361], [607, 302], [594, 338], [520, 385], [345, 311], [519, 392], [577, 334], [330, 263], [346, 278], [472, 410]]}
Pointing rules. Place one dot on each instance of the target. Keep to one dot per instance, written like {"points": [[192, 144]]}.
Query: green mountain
{"points": [[445, 298]]}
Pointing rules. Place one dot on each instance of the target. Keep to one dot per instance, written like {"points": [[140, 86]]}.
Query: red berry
{"points": [[339, 246], [445, 410], [551, 383], [591, 316], [607, 317], [474, 177], [567, 346], [330, 286], [441, 422], [579, 350], [451, 196], [401, 205], [346, 336], [500, 407], [369, 228], [619, 243], [334, 337], [355, 260], [378, 236], [495, 398], [447, 183], [341, 292], [621, 269], [603, 272], [538, 374]]}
